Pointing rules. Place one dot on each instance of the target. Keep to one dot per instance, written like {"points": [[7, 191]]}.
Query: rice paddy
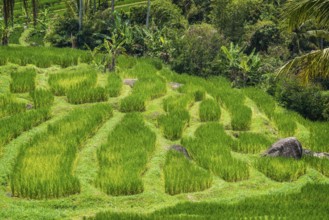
{"points": [[59, 116]]}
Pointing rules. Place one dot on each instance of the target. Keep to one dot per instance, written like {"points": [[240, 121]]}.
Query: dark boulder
{"points": [[288, 147], [181, 149]]}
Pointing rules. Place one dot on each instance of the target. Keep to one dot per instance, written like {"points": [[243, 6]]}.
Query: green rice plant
{"points": [[319, 138], [8, 106], [233, 100], [43, 57], [42, 98], [303, 204], [133, 103], [174, 103], [123, 158], [173, 123], [319, 164], [23, 81], [114, 85], [251, 143], [210, 148], [264, 101], [150, 87], [281, 169], [66, 80], [11, 127], [81, 95], [286, 123], [182, 175], [142, 69], [198, 92], [209, 110], [44, 166]]}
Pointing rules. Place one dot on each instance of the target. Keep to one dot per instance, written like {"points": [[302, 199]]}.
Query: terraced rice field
{"points": [[75, 143]]}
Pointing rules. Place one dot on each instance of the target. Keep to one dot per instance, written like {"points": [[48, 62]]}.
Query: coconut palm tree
{"points": [[316, 63]]}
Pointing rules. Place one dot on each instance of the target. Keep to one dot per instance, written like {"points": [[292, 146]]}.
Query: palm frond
{"points": [[299, 11], [309, 66]]}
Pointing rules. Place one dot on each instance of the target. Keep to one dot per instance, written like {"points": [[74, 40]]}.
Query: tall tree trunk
{"points": [[80, 14], [94, 9], [35, 12], [8, 14], [148, 13], [26, 9], [112, 6]]}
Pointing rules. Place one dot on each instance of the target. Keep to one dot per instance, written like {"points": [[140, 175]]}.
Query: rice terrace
{"points": [[164, 109]]}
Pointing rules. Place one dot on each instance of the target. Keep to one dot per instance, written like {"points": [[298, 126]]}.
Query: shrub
{"points": [[42, 98], [281, 169], [182, 175], [123, 158], [209, 110], [23, 81], [174, 103]]}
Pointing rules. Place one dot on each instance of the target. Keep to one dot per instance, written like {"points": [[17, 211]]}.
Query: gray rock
{"points": [[175, 85], [288, 147], [181, 149], [315, 154], [29, 106], [130, 82]]}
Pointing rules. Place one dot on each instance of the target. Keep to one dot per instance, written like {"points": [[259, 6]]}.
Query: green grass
{"points": [[251, 143], [132, 103], [81, 95], [11, 127], [43, 168], [23, 81], [8, 106], [281, 169], [114, 85], [71, 79], [42, 98], [43, 57], [210, 148], [123, 158], [183, 176], [319, 138], [303, 204], [173, 124], [209, 111]]}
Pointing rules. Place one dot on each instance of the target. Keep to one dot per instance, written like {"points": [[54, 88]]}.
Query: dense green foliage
{"points": [[209, 110], [42, 98]]}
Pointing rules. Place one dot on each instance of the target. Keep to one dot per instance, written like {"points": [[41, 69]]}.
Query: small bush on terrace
{"points": [[251, 143], [133, 103]]}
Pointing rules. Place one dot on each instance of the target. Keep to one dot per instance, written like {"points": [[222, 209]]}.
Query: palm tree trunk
{"points": [[35, 12], [26, 9], [112, 6], [80, 14], [148, 13]]}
